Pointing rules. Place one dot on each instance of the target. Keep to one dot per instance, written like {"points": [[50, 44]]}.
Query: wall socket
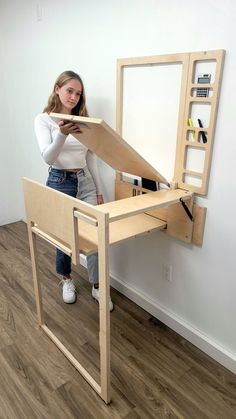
{"points": [[167, 272]]}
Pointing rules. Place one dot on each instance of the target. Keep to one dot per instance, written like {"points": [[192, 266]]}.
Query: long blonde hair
{"points": [[54, 103]]}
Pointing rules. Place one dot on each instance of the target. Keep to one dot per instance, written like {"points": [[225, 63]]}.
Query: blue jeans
{"points": [[79, 185]]}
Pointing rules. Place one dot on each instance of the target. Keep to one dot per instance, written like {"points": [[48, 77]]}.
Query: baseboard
{"points": [[201, 341]]}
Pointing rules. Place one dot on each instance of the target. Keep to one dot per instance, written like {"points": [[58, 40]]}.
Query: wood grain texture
{"points": [[107, 144], [155, 373], [183, 144]]}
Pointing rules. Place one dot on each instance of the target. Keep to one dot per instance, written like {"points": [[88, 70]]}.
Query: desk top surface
{"points": [[108, 145]]}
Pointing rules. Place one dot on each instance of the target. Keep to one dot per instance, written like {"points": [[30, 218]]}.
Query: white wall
{"points": [[88, 37]]}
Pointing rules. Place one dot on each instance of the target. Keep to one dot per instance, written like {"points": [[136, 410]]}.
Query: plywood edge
{"points": [[58, 116], [199, 215], [153, 59]]}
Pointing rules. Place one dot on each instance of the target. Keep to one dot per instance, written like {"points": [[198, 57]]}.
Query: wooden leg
{"points": [[104, 313], [37, 287]]}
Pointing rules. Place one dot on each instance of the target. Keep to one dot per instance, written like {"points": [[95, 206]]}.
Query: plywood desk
{"points": [[87, 229], [75, 226]]}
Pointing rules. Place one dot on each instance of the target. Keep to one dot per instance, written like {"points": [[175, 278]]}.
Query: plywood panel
{"points": [[142, 203], [120, 230], [110, 147], [179, 224]]}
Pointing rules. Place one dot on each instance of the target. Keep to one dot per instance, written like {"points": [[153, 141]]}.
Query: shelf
{"points": [[119, 231]]}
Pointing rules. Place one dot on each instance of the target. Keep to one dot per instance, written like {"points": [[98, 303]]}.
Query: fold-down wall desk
{"points": [[74, 226]]}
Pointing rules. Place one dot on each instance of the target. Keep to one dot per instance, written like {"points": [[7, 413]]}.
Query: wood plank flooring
{"points": [[155, 373]]}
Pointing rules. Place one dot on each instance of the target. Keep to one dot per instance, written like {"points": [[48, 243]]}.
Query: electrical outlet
{"points": [[167, 272]]}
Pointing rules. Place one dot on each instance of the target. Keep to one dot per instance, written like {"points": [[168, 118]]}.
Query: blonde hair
{"points": [[54, 103]]}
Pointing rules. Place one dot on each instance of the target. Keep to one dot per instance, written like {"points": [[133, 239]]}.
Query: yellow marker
{"points": [[190, 124]]}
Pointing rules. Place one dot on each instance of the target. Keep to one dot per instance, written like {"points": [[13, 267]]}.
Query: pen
{"points": [[204, 138]]}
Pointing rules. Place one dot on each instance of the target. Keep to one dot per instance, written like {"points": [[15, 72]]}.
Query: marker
{"points": [[190, 123], [204, 138]]}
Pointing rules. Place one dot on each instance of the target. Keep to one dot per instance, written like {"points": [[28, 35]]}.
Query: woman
{"points": [[73, 168]]}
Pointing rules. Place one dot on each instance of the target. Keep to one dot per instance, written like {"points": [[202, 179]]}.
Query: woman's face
{"points": [[69, 95]]}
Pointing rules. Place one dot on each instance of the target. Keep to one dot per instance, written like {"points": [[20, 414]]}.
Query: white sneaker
{"points": [[95, 295], [68, 291]]}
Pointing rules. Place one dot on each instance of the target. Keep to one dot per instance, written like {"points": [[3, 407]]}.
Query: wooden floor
{"points": [[155, 373]]}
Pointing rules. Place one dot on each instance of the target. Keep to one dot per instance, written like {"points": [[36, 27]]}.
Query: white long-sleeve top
{"points": [[64, 151]]}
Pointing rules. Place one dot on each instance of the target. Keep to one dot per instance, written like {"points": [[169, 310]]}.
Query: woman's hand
{"points": [[67, 128], [100, 199]]}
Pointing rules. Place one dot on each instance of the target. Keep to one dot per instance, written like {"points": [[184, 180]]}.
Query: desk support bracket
{"points": [[190, 216]]}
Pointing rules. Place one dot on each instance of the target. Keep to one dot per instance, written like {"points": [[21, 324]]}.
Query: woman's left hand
{"points": [[68, 127], [100, 199]]}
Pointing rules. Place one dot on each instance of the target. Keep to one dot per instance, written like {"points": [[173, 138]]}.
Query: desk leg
{"points": [[104, 313], [34, 262]]}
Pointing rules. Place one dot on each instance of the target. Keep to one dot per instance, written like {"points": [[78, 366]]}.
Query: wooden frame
{"points": [[110, 147], [105, 225], [188, 61], [47, 224], [183, 145]]}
